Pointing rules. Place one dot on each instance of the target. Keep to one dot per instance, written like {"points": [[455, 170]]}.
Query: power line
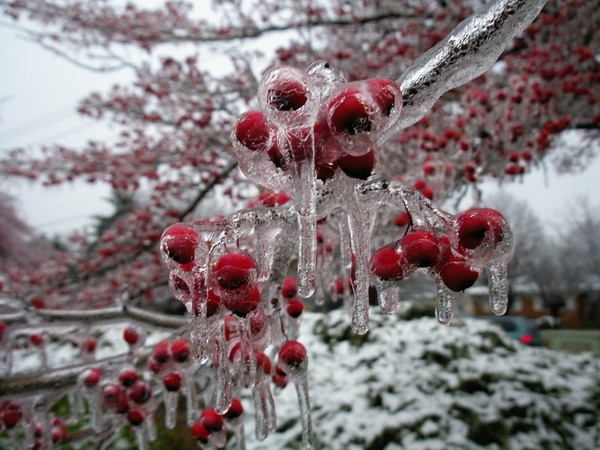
{"points": [[38, 123], [66, 133]]}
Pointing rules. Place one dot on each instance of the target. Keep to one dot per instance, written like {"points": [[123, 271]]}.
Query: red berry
{"points": [[135, 416], [497, 222], [258, 323], [402, 219], [91, 376], [428, 169], [289, 289], [114, 398], [251, 130], [472, 228], [427, 192], [131, 335], [292, 354], [470, 168], [262, 361], [420, 248], [420, 185], [294, 308], [172, 381], [153, 365], [280, 379], [2, 329], [234, 271], [180, 350], [241, 306], [90, 345], [348, 113], [287, 95], [140, 392], [58, 434], [11, 415], [161, 352], [127, 377], [37, 339], [37, 303], [179, 243], [359, 167], [385, 93], [513, 157], [199, 432], [387, 264], [235, 410], [211, 420], [457, 275]]}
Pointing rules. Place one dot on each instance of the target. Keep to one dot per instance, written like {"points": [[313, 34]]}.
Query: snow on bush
{"points": [[419, 385]]}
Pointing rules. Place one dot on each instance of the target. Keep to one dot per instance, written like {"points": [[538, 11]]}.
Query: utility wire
{"points": [[38, 123]]}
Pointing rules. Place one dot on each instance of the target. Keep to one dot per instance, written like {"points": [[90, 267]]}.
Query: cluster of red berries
{"points": [[333, 125], [457, 254], [212, 426], [11, 414], [221, 288]]}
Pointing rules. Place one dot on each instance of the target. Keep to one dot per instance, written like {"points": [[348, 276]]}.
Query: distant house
{"points": [[581, 310]]}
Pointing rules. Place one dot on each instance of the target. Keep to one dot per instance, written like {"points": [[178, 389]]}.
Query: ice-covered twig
{"points": [[467, 52]]}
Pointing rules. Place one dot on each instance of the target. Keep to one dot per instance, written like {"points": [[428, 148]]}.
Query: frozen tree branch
{"points": [[470, 50]]}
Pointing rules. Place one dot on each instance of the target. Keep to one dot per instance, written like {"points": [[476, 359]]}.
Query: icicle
{"points": [[240, 438], [95, 409], [141, 437], [171, 400], [360, 221], [265, 420], [247, 359], [260, 414], [292, 326], [305, 415], [222, 389], [294, 361], [199, 333], [191, 397], [150, 425], [444, 309], [307, 223], [498, 286], [389, 296]]}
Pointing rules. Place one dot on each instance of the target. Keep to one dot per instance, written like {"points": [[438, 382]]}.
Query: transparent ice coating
{"points": [[467, 52], [308, 148]]}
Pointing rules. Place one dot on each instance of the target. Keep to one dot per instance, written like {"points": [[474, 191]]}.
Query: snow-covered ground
{"points": [[419, 385]]}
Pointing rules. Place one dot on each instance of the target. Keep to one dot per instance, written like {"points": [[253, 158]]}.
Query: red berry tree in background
{"points": [[174, 158]]}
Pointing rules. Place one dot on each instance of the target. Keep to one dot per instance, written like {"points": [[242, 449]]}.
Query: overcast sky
{"points": [[39, 92]]}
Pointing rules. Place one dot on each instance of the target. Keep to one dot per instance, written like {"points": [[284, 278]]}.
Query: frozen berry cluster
{"points": [[314, 117]]}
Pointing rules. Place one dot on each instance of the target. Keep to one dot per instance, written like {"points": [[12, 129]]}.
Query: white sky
{"points": [[39, 92]]}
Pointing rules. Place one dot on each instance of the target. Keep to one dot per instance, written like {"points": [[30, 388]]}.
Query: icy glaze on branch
{"points": [[470, 50], [317, 139]]}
